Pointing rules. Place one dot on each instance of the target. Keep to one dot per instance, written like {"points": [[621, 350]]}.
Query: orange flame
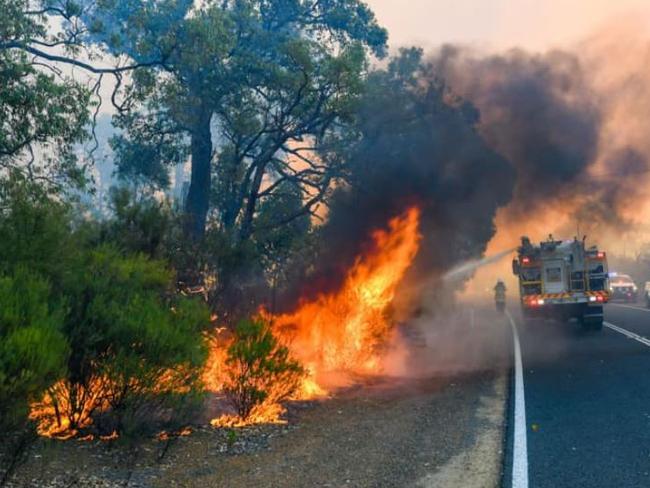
{"points": [[343, 332], [335, 335], [64, 410]]}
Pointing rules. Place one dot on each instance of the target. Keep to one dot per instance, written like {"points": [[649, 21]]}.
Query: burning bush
{"points": [[321, 344], [261, 373], [132, 347], [111, 340]]}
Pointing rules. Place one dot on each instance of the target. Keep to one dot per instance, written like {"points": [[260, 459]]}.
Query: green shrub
{"points": [[136, 347], [139, 224], [36, 232], [33, 350], [261, 372]]}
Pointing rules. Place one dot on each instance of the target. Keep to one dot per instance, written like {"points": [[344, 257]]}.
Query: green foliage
{"points": [[139, 224], [261, 371], [128, 332], [129, 343], [36, 231], [144, 160], [42, 115], [32, 348]]}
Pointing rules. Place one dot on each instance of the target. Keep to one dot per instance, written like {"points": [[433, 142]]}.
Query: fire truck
{"points": [[562, 280]]}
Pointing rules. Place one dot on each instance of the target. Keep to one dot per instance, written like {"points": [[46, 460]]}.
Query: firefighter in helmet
{"points": [[500, 295]]}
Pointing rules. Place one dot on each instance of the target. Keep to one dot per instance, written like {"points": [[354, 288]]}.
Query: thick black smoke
{"points": [[418, 145], [462, 135], [543, 113]]}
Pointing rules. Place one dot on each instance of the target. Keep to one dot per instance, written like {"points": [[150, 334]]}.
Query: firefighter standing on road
{"points": [[500, 295]]}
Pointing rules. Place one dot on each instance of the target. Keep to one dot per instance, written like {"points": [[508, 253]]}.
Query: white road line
{"points": [[520, 447], [627, 333], [628, 306]]}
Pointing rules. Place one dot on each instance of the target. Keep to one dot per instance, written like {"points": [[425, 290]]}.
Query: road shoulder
{"points": [[481, 464]]}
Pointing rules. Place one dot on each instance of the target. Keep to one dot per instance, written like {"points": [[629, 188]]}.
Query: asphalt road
{"points": [[587, 403]]}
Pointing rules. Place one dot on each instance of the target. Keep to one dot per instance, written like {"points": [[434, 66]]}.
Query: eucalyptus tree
{"points": [[255, 91]]}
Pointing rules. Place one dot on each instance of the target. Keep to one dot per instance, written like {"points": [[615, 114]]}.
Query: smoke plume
{"points": [[418, 145], [538, 111], [573, 125], [513, 143]]}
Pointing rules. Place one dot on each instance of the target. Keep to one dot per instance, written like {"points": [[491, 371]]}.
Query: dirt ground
{"points": [[398, 438]]}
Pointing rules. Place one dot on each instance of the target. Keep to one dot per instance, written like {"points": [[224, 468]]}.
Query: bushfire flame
{"points": [[334, 336], [344, 332], [341, 333]]}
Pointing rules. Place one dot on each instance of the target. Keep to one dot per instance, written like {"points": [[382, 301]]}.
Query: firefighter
{"points": [[500, 295]]}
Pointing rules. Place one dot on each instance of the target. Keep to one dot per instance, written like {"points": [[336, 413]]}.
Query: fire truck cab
{"points": [[562, 280]]}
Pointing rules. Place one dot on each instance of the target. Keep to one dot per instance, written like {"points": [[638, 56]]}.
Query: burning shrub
{"points": [[161, 369], [261, 373], [134, 348]]}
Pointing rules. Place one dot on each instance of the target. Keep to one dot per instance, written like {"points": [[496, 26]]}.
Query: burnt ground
{"points": [[441, 428]]}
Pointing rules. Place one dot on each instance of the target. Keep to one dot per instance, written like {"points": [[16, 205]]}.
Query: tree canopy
{"points": [[255, 91], [43, 111]]}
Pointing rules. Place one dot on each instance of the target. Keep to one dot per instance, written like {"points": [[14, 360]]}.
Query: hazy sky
{"points": [[498, 24]]}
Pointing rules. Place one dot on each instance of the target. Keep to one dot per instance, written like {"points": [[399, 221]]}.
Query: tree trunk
{"points": [[260, 164], [249, 211], [198, 196]]}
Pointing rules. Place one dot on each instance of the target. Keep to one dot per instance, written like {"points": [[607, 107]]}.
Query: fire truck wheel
{"points": [[592, 318]]}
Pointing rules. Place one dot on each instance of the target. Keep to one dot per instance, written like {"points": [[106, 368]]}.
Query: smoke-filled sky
{"points": [[563, 88], [500, 24]]}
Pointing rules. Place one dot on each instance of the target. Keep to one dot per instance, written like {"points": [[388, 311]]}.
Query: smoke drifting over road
{"points": [[573, 124]]}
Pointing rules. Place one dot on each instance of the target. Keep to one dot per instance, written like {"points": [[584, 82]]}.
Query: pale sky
{"points": [[500, 24]]}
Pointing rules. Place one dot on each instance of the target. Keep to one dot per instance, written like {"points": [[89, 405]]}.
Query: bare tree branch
{"points": [[75, 62]]}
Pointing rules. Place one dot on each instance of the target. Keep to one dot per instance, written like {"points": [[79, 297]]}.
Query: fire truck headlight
{"points": [[592, 299], [540, 301]]}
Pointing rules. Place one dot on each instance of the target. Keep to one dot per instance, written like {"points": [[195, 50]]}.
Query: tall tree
{"points": [[253, 89]]}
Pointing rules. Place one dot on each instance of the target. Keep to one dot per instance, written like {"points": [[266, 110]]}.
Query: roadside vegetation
{"points": [[260, 370]]}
